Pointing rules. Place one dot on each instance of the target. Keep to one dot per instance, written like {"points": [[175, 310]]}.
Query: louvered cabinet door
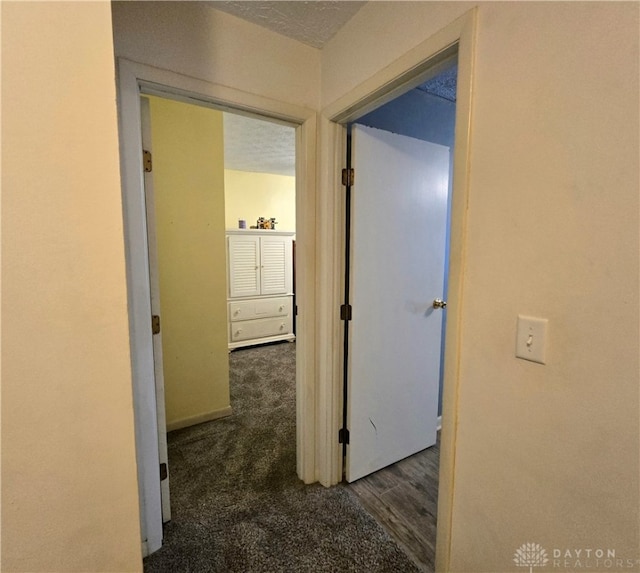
{"points": [[275, 265], [244, 266]]}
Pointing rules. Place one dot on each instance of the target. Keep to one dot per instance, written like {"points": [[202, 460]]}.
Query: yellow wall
{"points": [[69, 491], [252, 195], [188, 179], [545, 453]]}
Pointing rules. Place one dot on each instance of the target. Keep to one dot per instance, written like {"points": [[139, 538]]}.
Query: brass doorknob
{"points": [[439, 303]]}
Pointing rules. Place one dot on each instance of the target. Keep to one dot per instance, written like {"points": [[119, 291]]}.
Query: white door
{"points": [[398, 240], [163, 473]]}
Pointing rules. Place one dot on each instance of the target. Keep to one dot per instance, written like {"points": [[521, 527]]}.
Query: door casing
{"points": [[135, 80], [410, 70], [154, 287]]}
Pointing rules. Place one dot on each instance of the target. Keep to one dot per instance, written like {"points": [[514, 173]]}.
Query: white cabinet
{"points": [[260, 281]]}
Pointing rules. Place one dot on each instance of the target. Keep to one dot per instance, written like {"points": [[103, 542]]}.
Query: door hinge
{"points": [[155, 324], [345, 312], [343, 436], [147, 161], [348, 176], [164, 472]]}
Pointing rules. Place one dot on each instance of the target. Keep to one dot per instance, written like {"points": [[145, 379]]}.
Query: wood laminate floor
{"points": [[403, 498]]}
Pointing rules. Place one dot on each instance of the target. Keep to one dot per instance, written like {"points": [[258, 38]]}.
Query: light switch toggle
{"points": [[531, 338]]}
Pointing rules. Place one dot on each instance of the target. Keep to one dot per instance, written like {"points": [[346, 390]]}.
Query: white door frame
{"points": [[408, 71], [135, 79], [155, 308]]}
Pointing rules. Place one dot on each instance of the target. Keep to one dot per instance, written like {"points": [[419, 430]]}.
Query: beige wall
{"points": [[251, 195], [377, 35], [193, 39], [545, 453], [69, 493], [188, 180]]}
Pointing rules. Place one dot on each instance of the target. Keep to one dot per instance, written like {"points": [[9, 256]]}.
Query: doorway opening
{"points": [[139, 79], [217, 285], [260, 214], [396, 277]]}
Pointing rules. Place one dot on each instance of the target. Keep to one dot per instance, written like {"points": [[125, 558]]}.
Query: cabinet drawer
{"points": [[259, 308], [260, 328]]}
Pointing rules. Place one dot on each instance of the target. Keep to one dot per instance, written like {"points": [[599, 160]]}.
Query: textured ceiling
{"points": [[261, 146], [256, 145], [443, 85], [312, 23]]}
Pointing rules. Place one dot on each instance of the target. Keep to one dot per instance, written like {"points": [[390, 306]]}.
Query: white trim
{"points": [[306, 299], [385, 87], [134, 79], [466, 32], [439, 423], [139, 298], [199, 419], [395, 78], [154, 285], [330, 236]]}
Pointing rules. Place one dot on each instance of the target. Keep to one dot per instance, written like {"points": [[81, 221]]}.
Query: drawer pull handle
{"points": [[281, 308], [282, 326]]}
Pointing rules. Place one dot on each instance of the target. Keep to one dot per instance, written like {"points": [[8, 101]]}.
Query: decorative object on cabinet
{"points": [[263, 223], [260, 286]]}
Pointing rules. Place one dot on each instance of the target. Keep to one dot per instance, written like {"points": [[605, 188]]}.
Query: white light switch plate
{"points": [[531, 338]]}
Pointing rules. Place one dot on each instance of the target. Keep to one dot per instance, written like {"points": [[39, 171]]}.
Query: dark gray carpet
{"points": [[237, 504]]}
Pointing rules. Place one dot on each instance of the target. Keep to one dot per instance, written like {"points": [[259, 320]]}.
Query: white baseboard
{"points": [[199, 419], [439, 423]]}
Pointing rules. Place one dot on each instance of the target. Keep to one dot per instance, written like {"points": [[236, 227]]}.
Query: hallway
{"points": [[237, 503]]}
